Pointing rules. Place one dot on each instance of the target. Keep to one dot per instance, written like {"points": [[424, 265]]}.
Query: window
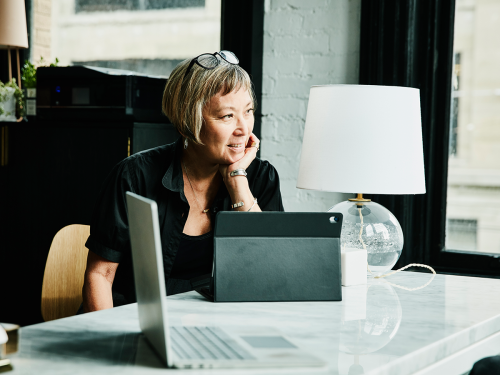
{"points": [[111, 5], [473, 203], [454, 105], [461, 234], [147, 36]]}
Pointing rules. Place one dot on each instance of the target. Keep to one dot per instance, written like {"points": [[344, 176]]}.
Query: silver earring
{"points": [[185, 143]]}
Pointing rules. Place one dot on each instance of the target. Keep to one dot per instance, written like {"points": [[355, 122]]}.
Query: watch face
{"points": [[238, 172], [239, 204]]}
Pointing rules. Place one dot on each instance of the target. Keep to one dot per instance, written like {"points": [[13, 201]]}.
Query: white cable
{"points": [[399, 270]]}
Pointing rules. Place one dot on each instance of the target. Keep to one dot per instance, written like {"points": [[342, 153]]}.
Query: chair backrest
{"points": [[64, 272]]}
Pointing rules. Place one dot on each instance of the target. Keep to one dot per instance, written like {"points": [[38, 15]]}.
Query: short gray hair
{"points": [[184, 99]]}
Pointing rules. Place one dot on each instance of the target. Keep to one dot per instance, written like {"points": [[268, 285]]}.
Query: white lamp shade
{"points": [[13, 31], [363, 139]]}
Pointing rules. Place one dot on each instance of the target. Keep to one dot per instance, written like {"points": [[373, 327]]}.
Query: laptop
{"points": [[192, 346]]}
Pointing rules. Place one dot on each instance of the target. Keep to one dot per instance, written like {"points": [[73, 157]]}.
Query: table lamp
{"points": [[365, 140], [13, 31]]}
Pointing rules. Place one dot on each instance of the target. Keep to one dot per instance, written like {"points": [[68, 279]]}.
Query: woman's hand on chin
{"points": [[245, 161], [238, 186]]}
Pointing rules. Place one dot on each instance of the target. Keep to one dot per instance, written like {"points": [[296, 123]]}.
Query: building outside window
{"points": [[473, 204], [147, 36]]}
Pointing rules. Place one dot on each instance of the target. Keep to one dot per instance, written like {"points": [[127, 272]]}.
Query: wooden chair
{"points": [[64, 272]]}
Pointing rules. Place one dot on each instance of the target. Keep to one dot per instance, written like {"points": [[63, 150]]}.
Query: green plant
{"points": [[18, 95], [52, 65], [28, 75]]}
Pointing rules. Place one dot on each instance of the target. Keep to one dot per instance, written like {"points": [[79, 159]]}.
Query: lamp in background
{"points": [[364, 140], [13, 31]]}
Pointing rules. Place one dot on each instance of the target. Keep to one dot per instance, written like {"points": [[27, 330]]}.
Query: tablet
{"points": [[276, 256]]}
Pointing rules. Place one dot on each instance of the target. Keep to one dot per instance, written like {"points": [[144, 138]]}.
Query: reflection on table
{"points": [[371, 317]]}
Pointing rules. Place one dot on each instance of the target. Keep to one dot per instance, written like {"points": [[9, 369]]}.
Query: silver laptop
{"points": [[191, 346]]}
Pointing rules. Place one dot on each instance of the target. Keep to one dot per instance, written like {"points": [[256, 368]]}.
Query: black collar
{"points": [[173, 179]]}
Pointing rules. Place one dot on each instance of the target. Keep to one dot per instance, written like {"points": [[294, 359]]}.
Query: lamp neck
{"points": [[359, 198]]}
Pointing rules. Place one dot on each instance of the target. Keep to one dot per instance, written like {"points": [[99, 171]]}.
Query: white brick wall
{"points": [[41, 29], [306, 42]]}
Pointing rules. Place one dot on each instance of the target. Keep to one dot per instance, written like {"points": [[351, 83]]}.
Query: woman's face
{"points": [[228, 124]]}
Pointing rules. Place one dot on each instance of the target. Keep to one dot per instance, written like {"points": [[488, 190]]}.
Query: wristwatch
{"points": [[238, 172], [236, 205]]}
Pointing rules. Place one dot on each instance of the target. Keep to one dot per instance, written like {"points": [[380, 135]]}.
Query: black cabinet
{"points": [[50, 178]]}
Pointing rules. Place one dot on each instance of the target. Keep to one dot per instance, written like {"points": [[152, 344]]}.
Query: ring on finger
{"points": [[256, 145]]}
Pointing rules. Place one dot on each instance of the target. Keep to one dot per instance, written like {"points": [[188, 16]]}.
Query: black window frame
{"points": [[410, 43], [242, 32]]}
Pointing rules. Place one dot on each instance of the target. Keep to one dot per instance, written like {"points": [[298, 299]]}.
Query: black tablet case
{"points": [[277, 256]]}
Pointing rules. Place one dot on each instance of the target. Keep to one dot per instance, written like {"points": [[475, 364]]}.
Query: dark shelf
{"points": [[53, 174]]}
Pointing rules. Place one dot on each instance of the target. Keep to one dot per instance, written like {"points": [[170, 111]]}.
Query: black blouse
{"points": [[156, 174], [194, 257]]}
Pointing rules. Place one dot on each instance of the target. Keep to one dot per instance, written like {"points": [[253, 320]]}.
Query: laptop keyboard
{"points": [[206, 343]]}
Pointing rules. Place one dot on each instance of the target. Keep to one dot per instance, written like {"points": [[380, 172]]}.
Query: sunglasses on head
{"points": [[212, 60]]}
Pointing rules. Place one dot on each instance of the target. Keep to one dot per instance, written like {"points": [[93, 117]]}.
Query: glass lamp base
{"points": [[371, 226]]}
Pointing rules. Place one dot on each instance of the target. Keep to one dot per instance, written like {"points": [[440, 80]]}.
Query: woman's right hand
{"points": [[250, 154]]}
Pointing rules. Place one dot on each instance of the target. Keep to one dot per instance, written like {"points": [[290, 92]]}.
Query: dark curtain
{"points": [[410, 43]]}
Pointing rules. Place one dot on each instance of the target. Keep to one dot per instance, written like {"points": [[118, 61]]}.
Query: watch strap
{"points": [[236, 205], [238, 172]]}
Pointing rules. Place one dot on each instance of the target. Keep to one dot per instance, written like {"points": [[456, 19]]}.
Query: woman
{"points": [[212, 167]]}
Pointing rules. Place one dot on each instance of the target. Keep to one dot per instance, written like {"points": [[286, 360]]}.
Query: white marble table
{"points": [[376, 329]]}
